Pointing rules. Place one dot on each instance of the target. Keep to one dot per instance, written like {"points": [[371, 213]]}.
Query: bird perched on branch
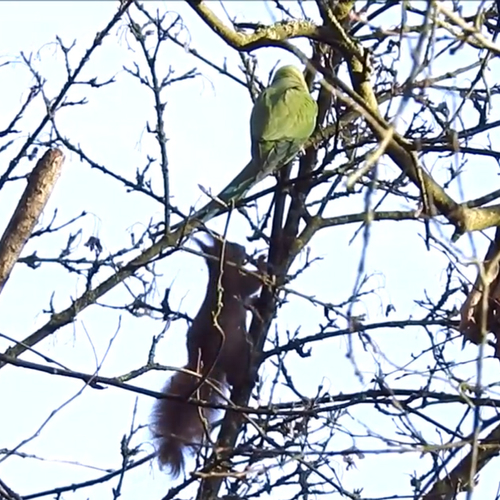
{"points": [[282, 119]]}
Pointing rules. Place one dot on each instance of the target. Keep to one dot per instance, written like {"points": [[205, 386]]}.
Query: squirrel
{"points": [[218, 349]]}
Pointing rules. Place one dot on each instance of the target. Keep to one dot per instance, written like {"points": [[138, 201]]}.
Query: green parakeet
{"points": [[282, 119]]}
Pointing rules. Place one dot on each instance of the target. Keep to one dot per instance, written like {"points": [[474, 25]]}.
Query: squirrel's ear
{"points": [[206, 248]]}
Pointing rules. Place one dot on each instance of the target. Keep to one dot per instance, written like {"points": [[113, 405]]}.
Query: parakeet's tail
{"points": [[235, 190], [281, 153]]}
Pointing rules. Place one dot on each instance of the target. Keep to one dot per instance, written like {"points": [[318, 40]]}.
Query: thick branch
{"points": [[399, 149], [263, 36], [459, 478], [41, 182], [394, 215]]}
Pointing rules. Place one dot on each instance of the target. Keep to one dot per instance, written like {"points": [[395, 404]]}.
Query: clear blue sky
{"points": [[207, 126]]}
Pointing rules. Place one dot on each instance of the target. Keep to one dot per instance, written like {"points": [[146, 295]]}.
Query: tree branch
{"points": [[41, 182]]}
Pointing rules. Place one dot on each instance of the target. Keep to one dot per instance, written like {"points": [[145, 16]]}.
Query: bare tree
{"points": [[373, 390]]}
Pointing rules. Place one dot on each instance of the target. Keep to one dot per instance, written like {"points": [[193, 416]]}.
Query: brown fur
{"points": [[218, 349]]}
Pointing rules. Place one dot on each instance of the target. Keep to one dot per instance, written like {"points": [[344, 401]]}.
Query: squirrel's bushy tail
{"points": [[178, 425]]}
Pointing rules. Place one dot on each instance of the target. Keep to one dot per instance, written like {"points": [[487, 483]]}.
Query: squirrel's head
{"points": [[232, 252]]}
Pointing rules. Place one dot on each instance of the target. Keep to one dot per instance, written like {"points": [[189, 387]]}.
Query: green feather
{"points": [[282, 119]]}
